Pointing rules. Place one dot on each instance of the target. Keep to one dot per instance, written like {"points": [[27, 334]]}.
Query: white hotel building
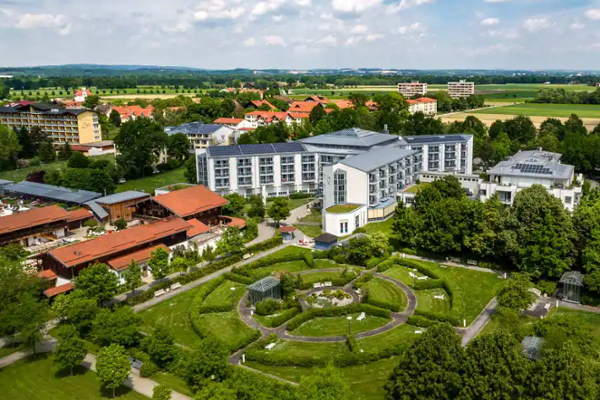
{"points": [[461, 88], [409, 89]]}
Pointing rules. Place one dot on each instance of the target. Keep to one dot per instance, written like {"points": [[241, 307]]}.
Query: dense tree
{"points": [[78, 160], [80, 311], [420, 124], [488, 224], [160, 345], [140, 143], [46, 152], [208, 361], [31, 316], [190, 170], [120, 326], [217, 391], [324, 384], [91, 101], [115, 118], [317, 114], [236, 204], [161, 392], [65, 152], [406, 225], [178, 147], [179, 264], [159, 264], [520, 128], [97, 282], [71, 350], [429, 368], [231, 242], [112, 367], [257, 207], [278, 210], [515, 294]]}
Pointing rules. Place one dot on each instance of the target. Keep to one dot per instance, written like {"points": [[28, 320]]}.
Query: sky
{"points": [[304, 34]]}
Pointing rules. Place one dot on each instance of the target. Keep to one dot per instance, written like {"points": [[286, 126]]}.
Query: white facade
{"points": [[449, 153], [461, 88], [81, 95], [425, 105], [346, 223], [409, 89]]}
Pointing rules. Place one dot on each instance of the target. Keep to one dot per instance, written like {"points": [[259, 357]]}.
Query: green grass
{"points": [[221, 296], [426, 301], [290, 266], [314, 277], [546, 110], [311, 231], [173, 382], [6, 351], [151, 183], [228, 327], [385, 227], [292, 203], [175, 314], [402, 274], [384, 291], [36, 378], [19, 175], [366, 381], [342, 208], [314, 216], [338, 326], [416, 188]]}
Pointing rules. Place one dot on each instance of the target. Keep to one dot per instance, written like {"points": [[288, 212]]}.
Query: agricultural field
{"points": [[142, 91], [545, 110]]}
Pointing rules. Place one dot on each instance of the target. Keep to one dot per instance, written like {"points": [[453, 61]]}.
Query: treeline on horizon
{"points": [[130, 79]]}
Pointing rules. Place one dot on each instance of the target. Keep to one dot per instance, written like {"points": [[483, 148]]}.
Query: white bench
{"points": [[440, 297], [159, 293], [175, 286], [361, 316], [270, 346], [247, 256], [418, 331], [422, 278], [547, 306], [327, 284], [316, 285]]}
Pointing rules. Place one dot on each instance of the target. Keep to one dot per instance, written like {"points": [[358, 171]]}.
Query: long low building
{"points": [[59, 194]]}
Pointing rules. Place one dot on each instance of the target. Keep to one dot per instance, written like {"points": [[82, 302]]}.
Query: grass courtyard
{"points": [[150, 183], [338, 326], [37, 378], [312, 231], [384, 292]]}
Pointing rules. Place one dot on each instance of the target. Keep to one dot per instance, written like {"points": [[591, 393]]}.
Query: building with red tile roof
{"points": [[303, 106], [228, 121], [425, 105], [26, 227], [198, 228], [69, 260], [82, 94], [139, 257], [47, 274], [260, 103], [129, 113], [62, 289], [317, 99]]}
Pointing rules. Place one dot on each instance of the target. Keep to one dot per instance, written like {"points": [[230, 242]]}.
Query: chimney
{"points": [[385, 129]]}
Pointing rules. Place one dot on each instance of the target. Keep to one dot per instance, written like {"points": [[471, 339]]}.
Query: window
{"points": [[357, 221], [222, 182], [568, 199], [308, 159], [244, 181], [287, 160], [339, 187], [308, 176], [344, 227], [265, 161]]}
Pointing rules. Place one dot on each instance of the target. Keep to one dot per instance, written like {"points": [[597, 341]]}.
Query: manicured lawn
{"points": [[338, 326], [150, 183], [314, 216], [402, 274], [426, 301], [19, 175], [292, 203], [384, 291], [221, 296], [385, 227], [228, 327], [366, 381], [314, 277], [342, 208], [37, 379], [173, 382], [290, 266], [311, 231], [175, 314], [546, 110], [416, 188]]}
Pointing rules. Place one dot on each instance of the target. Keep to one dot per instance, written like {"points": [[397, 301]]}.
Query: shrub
{"points": [[439, 317], [547, 287], [308, 259], [428, 284], [359, 230], [340, 259], [372, 262], [406, 250], [418, 320], [283, 317], [267, 307], [148, 369], [336, 312], [265, 245], [320, 255], [352, 344], [385, 265], [244, 280], [299, 195], [382, 304], [363, 279], [34, 162]]}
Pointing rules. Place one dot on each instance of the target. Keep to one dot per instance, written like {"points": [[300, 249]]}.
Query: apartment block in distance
{"points": [[461, 88], [409, 89], [62, 125]]}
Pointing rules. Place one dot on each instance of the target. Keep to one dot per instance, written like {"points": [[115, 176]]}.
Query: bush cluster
{"points": [[352, 344], [372, 262]]}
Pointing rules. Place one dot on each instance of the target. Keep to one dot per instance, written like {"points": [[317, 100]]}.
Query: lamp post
{"points": [[349, 319], [312, 253], [232, 298]]}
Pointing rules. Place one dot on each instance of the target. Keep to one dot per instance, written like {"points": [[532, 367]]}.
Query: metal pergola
{"points": [[266, 288], [572, 282], [531, 346]]}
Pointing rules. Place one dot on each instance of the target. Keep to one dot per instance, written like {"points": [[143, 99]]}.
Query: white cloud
{"points": [[507, 34], [497, 1], [33, 21], [594, 13], [536, 24], [353, 6], [576, 25], [274, 40], [328, 41], [358, 29], [352, 40], [301, 48], [404, 4], [263, 7], [249, 42], [374, 36], [416, 27], [215, 10], [490, 21], [277, 18], [66, 30], [303, 3]]}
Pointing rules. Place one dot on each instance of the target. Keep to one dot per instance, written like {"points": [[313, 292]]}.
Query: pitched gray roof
{"points": [[352, 137], [534, 163], [194, 128], [327, 238], [98, 211], [57, 193], [255, 149], [377, 158], [431, 139], [264, 284], [120, 197], [572, 278], [5, 182]]}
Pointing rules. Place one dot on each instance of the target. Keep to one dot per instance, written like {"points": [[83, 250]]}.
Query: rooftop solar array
{"points": [[533, 162], [255, 149], [436, 139], [355, 137], [533, 169], [57, 193]]}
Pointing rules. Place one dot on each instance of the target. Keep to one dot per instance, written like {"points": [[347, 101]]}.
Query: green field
{"points": [[314, 216], [402, 274], [19, 175], [289, 266], [151, 183], [312, 231], [37, 379], [381, 290], [221, 296], [228, 327], [55, 92], [545, 110], [426, 301], [338, 326]]}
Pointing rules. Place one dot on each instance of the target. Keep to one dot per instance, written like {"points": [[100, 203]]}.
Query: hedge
{"points": [[352, 344], [424, 284], [283, 317], [362, 280], [418, 320], [336, 312], [372, 262], [439, 317], [337, 282], [406, 250], [244, 280], [387, 264], [265, 245], [383, 304], [268, 261], [203, 293], [320, 254]]}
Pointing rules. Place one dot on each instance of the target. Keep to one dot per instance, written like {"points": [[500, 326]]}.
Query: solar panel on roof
{"points": [[250, 149], [224, 151], [291, 147]]}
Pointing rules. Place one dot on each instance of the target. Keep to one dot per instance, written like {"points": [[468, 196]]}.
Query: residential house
{"points": [[425, 105], [81, 95], [202, 135]]}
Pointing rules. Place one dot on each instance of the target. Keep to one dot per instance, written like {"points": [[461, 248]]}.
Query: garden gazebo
{"points": [[572, 282], [531, 346], [266, 288]]}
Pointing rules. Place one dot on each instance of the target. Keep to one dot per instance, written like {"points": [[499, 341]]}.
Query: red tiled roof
{"points": [[246, 129], [128, 111], [190, 201], [55, 291], [318, 99], [79, 214], [198, 227], [85, 252], [47, 274], [80, 92], [227, 121], [233, 222], [342, 104], [258, 103], [303, 106], [140, 256], [269, 114], [32, 218], [298, 115], [287, 229]]}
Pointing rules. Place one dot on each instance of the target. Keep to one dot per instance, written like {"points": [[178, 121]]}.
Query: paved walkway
{"points": [[298, 213], [265, 232], [480, 322], [42, 347], [453, 264], [579, 307]]}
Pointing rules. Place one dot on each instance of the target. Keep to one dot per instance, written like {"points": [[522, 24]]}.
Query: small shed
{"points": [[531, 346], [572, 283], [266, 288], [287, 232], [325, 241]]}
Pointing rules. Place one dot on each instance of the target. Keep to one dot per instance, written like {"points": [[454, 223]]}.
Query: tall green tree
{"points": [[115, 118], [257, 207], [231, 242], [515, 294], [121, 326], [112, 367], [71, 350], [65, 152], [160, 345], [159, 264], [208, 361], [161, 392], [140, 143], [78, 160], [279, 210], [46, 152], [9, 148], [178, 147], [236, 204], [324, 384], [97, 282], [190, 173]]}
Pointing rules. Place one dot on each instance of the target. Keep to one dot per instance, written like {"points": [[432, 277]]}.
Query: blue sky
{"points": [[302, 34]]}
